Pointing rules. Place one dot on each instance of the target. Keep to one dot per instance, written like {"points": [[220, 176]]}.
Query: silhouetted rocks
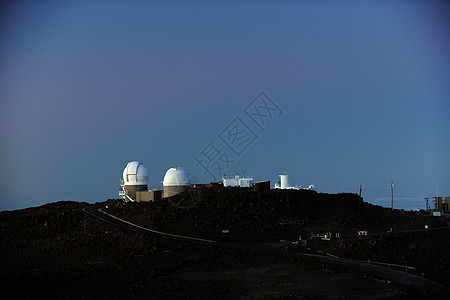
{"points": [[58, 251]]}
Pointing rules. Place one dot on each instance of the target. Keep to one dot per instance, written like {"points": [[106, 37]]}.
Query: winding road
{"points": [[431, 289]]}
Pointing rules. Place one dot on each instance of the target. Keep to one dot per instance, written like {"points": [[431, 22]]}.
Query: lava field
{"points": [[58, 251]]}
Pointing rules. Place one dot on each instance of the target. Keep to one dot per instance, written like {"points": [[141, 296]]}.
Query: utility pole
{"points": [[392, 195], [360, 190], [426, 200]]}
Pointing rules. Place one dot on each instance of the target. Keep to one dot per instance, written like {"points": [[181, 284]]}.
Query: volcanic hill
{"points": [[58, 251]]}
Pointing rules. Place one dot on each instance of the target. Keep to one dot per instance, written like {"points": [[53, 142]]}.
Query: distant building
{"points": [[261, 186], [146, 196], [176, 181], [134, 179], [134, 184], [237, 181], [441, 204], [283, 184]]}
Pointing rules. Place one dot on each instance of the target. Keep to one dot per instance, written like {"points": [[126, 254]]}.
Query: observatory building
{"points": [[176, 181], [283, 184], [237, 181], [134, 179]]}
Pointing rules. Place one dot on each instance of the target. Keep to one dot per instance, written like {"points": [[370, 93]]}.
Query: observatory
{"points": [[283, 184], [176, 181], [237, 181], [311, 187], [134, 179], [284, 181]]}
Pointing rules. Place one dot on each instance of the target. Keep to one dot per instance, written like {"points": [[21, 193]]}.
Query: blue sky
{"points": [[86, 86]]}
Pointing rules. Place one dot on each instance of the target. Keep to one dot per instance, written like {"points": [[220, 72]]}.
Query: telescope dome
{"points": [[176, 177], [135, 173]]}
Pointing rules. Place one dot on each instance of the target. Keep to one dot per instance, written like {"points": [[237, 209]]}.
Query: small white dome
{"points": [[277, 185], [135, 173], [312, 187], [176, 177]]}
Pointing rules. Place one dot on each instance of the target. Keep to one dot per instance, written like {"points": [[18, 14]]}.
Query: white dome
{"points": [[135, 173], [176, 177]]}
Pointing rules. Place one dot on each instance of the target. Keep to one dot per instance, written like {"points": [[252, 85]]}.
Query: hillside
{"points": [[287, 214], [58, 251], [266, 216]]}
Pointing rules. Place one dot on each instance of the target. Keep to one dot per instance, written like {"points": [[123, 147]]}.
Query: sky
{"points": [[334, 93]]}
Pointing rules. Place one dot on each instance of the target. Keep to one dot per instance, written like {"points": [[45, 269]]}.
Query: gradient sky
{"points": [[86, 86]]}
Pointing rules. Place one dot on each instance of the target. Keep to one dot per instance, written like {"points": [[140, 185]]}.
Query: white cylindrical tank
{"points": [[175, 181], [284, 181]]}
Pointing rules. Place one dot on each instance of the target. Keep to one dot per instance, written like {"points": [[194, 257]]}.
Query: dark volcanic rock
{"points": [[265, 216], [58, 251]]}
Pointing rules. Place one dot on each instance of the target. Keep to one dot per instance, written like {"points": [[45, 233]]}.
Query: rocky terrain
{"points": [[426, 251], [267, 216], [58, 251]]}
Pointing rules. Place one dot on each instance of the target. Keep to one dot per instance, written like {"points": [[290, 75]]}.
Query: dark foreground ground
{"points": [[58, 251]]}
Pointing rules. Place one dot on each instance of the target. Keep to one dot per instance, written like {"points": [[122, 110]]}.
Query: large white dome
{"points": [[135, 173], [176, 177]]}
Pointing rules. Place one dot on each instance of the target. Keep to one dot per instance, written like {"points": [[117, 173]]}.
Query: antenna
{"points": [[360, 192], [427, 205], [392, 195]]}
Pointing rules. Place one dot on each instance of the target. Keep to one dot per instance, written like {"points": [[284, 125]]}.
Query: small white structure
{"points": [[237, 181], [311, 187], [284, 181], [283, 184], [134, 178], [175, 181]]}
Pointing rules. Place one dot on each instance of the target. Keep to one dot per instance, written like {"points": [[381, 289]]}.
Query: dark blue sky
{"points": [[86, 86]]}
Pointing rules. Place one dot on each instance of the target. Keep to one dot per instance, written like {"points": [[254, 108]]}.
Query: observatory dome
{"points": [[312, 187], [176, 177], [135, 173]]}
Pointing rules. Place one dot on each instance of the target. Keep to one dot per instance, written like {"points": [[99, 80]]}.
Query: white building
{"points": [[134, 178], [237, 181], [176, 181], [283, 184]]}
